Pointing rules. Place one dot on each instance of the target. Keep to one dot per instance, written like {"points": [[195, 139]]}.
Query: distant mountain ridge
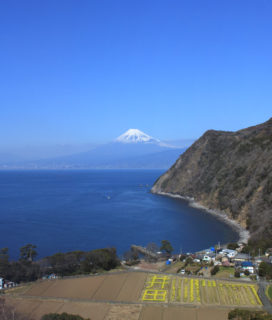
{"points": [[132, 150], [231, 172]]}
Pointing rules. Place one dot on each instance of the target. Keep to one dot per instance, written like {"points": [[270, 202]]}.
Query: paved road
{"points": [[266, 303]]}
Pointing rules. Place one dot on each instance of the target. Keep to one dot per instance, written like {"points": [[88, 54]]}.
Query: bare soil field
{"points": [[135, 281], [43, 307], [135, 296], [96, 311], [124, 312], [81, 288], [111, 287]]}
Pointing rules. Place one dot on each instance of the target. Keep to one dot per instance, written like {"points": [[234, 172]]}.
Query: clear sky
{"points": [[86, 71]]}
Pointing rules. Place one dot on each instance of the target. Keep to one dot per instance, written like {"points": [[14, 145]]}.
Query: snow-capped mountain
{"points": [[132, 149], [134, 136]]}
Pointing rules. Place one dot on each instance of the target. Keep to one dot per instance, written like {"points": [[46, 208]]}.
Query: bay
{"points": [[63, 211]]}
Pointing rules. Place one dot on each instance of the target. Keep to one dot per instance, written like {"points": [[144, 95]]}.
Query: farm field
{"points": [[164, 288], [135, 296]]}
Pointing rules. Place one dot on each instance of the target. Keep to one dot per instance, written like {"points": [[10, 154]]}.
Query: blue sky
{"points": [[86, 71]]}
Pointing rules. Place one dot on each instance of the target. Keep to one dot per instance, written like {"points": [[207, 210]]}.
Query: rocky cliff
{"points": [[230, 172]]}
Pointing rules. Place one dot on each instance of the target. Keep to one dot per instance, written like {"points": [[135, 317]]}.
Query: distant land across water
{"points": [[63, 211]]}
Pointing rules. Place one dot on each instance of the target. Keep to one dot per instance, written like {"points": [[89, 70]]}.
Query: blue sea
{"points": [[62, 211]]}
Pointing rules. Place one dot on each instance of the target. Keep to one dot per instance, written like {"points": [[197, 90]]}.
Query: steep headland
{"points": [[230, 172]]}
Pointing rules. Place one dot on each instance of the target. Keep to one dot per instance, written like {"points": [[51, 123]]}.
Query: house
{"points": [[247, 265], [229, 253], [240, 257], [207, 258], [4, 284]]}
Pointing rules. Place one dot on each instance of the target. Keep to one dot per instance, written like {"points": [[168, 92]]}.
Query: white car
{"points": [[182, 271]]}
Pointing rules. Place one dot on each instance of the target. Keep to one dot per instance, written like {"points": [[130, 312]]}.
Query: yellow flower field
{"points": [[164, 288]]}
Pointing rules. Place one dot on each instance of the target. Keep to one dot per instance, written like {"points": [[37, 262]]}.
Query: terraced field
{"points": [[135, 296], [169, 289]]}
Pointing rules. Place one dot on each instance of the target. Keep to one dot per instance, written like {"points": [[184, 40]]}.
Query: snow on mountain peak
{"points": [[135, 135]]}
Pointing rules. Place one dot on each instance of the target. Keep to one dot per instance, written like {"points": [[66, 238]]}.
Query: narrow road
{"points": [[266, 303]]}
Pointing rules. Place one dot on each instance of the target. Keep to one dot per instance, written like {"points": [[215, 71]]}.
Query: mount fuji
{"points": [[136, 136], [133, 149]]}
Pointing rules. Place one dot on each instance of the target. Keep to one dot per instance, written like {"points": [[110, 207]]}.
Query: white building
{"points": [[1, 283], [229, 253]]}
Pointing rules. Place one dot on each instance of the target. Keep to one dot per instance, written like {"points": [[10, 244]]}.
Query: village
{"points": [[227, 262], [151, 281]]}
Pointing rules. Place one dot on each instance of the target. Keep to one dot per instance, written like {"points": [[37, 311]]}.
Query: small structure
{"points": [[247, 265], [5, 284], [206, 258], [240, 257], [229, 253]]}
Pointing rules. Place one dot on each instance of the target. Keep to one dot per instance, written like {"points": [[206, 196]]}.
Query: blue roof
{"points": [[247, 264]]}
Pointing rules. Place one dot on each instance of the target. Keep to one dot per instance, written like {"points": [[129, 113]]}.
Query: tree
{"points": [[265, 270], [28, 252], [131, 255], [4, 262], [152, 247], [233, 245], [237, 274], [214, 270], [166, 246]]}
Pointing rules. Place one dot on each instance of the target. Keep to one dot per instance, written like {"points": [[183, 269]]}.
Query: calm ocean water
{"points": [[84, 210]]}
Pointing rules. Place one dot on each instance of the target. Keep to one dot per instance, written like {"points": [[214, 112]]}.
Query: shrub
{"points": [[214, 270], [232, 245], [240, 314], [62, 316], [247, 273], [237, 274], [265, 270]]}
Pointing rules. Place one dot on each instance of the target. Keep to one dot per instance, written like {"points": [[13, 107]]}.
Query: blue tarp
{"points": [[212, 249], [168, 262], [247, 264]]}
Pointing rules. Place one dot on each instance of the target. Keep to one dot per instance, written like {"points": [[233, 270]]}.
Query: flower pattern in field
{"points": [[163, 288]]}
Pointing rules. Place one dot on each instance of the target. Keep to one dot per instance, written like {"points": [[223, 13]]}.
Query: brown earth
{"points": [[106, 297]]}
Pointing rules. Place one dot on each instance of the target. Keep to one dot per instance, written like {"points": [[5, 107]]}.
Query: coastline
{"points": [[243, 233]]}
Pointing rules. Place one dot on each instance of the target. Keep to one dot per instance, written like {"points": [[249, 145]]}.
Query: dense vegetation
{"points": [[240, 314], [62, 316], [214, 270], [62, 264], [265, 270], [230, 172]]}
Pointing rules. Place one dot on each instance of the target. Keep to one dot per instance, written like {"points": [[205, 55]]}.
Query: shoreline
{"points": [[243, 233]]}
